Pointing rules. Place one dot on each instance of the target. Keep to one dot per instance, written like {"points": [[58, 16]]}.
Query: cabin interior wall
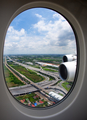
{"points": [[77, 111]]}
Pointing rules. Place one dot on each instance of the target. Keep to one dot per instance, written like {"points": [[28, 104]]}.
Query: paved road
{"points": [[53, 74], [43, 84], [58, 88], [29, 88], [22, 89]]}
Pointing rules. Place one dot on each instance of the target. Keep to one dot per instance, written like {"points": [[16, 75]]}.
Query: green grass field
{"points": [[50, 77], [50, 70], [60, 94], [50, 67], [65, 85], [35, 66], [11, 80], [33, 76]]}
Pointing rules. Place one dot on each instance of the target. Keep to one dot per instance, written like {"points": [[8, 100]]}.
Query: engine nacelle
{"points": [[68, 58], [67, 71]]}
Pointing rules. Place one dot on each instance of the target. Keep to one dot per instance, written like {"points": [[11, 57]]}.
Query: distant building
{"points": [[41, 102], [9, 60], [18, 60], [47, 64], [29, 63], [55, 95], [33, 105], [21, 101]]}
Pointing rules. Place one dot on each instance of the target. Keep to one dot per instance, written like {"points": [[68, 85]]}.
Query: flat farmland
{"points": [[33, 76], [48, 69], [11, 80]]}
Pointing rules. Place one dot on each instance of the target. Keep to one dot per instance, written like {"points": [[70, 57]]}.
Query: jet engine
{"points": [[67, 58], [67, 69]]}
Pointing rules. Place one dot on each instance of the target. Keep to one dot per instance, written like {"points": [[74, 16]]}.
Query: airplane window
{"points": [[40, 57]]}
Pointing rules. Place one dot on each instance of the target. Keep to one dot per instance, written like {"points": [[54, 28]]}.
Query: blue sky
{"points": [[39, 31]]}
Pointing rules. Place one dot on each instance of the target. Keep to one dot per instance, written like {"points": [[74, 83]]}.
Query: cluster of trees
{"points": [[45, 104], [30, 97], [15, 80], [67, 85], [11, 80]]}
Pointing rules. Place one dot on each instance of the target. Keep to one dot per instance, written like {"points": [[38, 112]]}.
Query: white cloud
{"points": [[55, 15], [53, 37], [58, 34], [57, 25], [60, 17], [12, 31], [39, 16]]}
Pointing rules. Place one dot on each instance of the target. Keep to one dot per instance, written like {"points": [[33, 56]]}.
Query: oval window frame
{"points": [[44, 114]]}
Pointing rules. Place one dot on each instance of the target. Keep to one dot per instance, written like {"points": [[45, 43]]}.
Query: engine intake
{"points": [[68, 58], [67, 71]]}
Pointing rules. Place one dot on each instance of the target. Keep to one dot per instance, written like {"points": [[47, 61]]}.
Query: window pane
{"points": [[40, 57]]}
